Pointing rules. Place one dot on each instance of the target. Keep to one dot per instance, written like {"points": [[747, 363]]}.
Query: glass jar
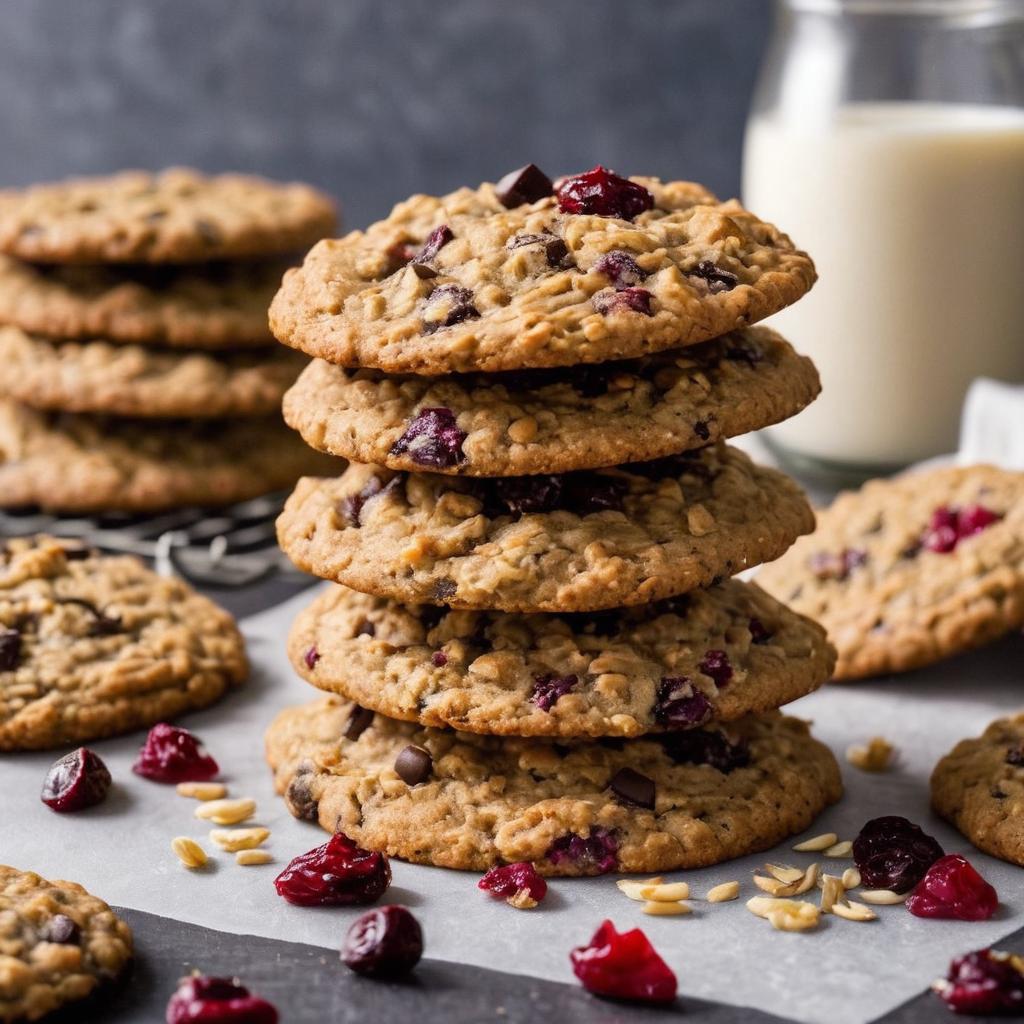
{"points": [[887, 139]]}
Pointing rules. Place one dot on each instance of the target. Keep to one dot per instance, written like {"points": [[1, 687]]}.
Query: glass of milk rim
{"points": [[886, 138]]}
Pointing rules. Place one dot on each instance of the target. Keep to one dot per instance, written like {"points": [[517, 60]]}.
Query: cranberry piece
{"points": [[174, 755], [620, 268], [460, 307], [386, 942], [439, 659], [604, 193], [78, 780], [893, 853], [525, 185], [973, 519], [742, 350], [715, 279], [679, 705], [951, 888], [635, 300], [351, 508], [337, 874], [311, 658], [205, 1000], [517, 882], [436, 241], [548, 688], [701, 746], [595, 854], [432, 439], [555, 250], [984, 982], [759, 634], [10, 649], [948, 526], [716, 665], [582, 493], [623, 965]]}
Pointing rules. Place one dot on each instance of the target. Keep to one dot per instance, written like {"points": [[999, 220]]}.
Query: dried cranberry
{"points": [[743, 350], [10, 649], [582, 493], [386, 942], [716, 280], [436, 241], [893, 853], [174, 755], [973, 519], [525, 185], [1015, 756], [716, 665], [623, 965], [337, 874], [635, 300], [620, 268], [351, 507], [548, 688], [78, 780], [949, 525], [555, 250], [704, 746], [604, 193], [514, 882], [439, 659], [984, 982], [432, 439], [828, 566], [594, 854], [679, 705], [204, 1000], [759, 634], [312, 656], [459, 307], [951, 888]]}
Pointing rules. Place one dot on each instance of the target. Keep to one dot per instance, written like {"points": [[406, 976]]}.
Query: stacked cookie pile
{"points": [[136, 369], [532, 656]]}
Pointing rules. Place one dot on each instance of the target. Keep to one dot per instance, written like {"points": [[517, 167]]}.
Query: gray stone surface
{"points": [[374, 100]]}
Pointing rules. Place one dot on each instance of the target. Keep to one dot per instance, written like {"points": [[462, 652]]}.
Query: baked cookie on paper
{"points": [[529, 274], [907, 571], [458, 800], [577, 542], [710, 655], [555, 420]]}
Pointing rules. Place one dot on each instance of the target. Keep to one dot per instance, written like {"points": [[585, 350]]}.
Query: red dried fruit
{"points": [[604, 193], [337, 874], [312, 657], [432, 439], [10, 649], [512, 880], [715, 279], [984, 982], [623, 965], [893, 853], [634, 300], [548, 688], [174, 755], [386, 942], [204, 1000], [949, 525], [716, 665], [679, 704], [596, 854], [706, 746], [620, 268], [78, 780], [952, 888]]}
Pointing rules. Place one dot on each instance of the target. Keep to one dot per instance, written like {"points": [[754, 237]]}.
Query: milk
{"points": [[914, 216]]}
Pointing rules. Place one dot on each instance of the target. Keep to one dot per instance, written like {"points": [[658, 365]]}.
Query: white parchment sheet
{"points": [[843, 973]]}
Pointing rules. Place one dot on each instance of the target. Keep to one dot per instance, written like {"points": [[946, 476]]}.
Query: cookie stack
{"points": [[531, 656], [136, 369]]}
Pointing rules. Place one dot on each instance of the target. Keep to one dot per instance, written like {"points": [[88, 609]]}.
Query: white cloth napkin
{"points": [[992, 425]]}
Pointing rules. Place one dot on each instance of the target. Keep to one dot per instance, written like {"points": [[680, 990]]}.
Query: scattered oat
{"points": [[666, 892], [883, 896], [202, 790], [786, 915], [831, 892], [817, 844], [235, 839], [661, 908], [521, 900], [631, 887], [802, 881], [189, 852], [851, 878], [250, 857], [784, 873], [226, 812], [874, 756], [853, 911], [843, 849], [810, 879], [723, 893]]}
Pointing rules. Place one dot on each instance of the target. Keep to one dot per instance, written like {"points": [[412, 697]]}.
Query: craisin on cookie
{"points": [[174, 216], [710, 655], [526, 274], [554, 420], [979, 788], [907, 571], [459, 800], [132, 380], [210, 306], [94, 645], [64, 462], [576, 542], [58, 946]]}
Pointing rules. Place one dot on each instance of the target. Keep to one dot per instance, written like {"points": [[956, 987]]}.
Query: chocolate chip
{"points": [[633, 787], [423, 271], [717, 280], [10, 649], [365, 628], [299, 796], [1015, 755], [555, 250], [351, 507], [60, 928], [460, 307], [413, 765], [78, 553], [524, 185], [358, 722], [102, 624], [700, 428]]}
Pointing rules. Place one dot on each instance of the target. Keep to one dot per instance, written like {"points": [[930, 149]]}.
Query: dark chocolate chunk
{"points": [[413, 765], [633, 787], [524, 185]]}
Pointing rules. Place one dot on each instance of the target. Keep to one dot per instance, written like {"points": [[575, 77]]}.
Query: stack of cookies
{"points": [[532, 656], [136, 369]]}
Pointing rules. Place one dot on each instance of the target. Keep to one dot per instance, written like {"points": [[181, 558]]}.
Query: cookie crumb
{"points": [[877, 755]]}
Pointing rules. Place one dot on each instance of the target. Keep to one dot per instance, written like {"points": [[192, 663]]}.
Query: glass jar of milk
{"points": [[887, 139]]}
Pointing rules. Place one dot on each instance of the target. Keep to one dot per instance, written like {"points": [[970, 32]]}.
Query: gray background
{"points": [[375, 99]]}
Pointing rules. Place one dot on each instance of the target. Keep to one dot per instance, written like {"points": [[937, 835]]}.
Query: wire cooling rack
{"points": [[225, 547]]}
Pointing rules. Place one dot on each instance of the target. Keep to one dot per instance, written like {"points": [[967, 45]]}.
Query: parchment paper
{"points": [[843, 973]]}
